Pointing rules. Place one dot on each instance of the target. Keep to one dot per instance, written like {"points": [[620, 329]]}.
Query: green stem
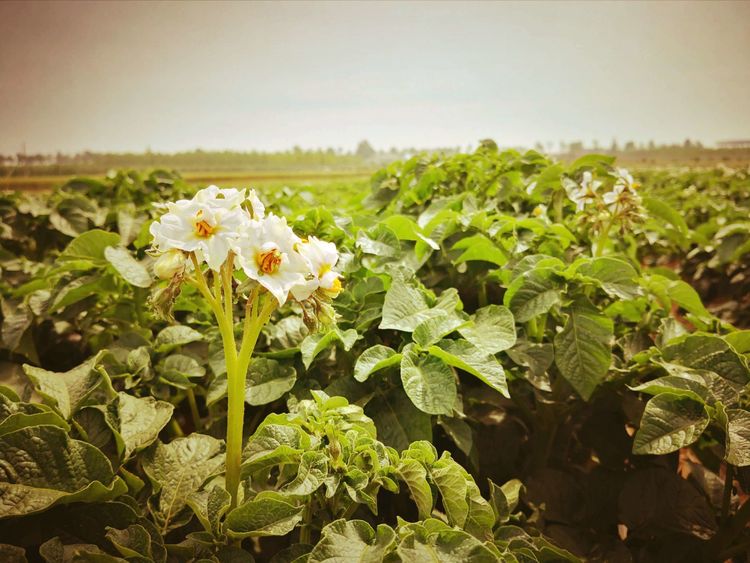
{"points": [[193, 408], [727, 500], [175, 426], [557, 205], [601, 241]]}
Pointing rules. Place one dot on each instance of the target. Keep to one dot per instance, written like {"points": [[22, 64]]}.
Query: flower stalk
{"points": [[225, 230]]}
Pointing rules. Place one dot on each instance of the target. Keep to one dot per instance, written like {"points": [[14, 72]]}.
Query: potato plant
{"points": [[492, 357]]}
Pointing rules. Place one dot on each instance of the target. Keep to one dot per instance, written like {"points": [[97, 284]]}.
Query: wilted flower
{"points": [[266, 251]]}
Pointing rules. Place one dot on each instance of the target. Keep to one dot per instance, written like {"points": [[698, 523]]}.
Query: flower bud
{"points": [[169, 263]]}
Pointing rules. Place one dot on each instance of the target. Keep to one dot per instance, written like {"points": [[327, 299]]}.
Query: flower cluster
{"points": [[230, 228], [621, 204]]}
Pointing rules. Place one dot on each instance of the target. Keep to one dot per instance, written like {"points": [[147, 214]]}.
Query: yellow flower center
{"points": [[268, 262], [335, 288], [538, 211], [202, 228], [324, 269]]}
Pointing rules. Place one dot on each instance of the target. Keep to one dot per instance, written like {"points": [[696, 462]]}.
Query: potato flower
{"points": [[623, 194], [205, 226], [584, 193], [321, 257], [266, 252]]}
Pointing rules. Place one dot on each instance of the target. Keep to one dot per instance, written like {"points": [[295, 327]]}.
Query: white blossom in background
{"points": [[203, 225], [623, 194], [266, 252], [321, 257], [585, 193]]}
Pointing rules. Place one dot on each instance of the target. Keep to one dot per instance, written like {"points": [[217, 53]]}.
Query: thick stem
{"points": [[601, 241]]}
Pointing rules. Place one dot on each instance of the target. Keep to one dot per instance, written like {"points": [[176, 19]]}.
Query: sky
{"points": [[269, 76]]}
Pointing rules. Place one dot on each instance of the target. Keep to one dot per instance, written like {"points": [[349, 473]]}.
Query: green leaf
{"points": [[708, 352], [268, 514], [479, 248], [315, 343], [670, 422], [405, 307], [353, 540], [174, 336], [413, 473], [141, 420], [133, 541], [49, 468], [311, 474], [128, 267], [532, 293], [504, 500], [177, 470], [210, 506], [374, 359], [428, 382], [68, 391], [268, 380], [429, 331], [658, 209], [178, 369], [739, 340], [467, 357], [90, 246], [399, 422], [274, 442], [492, 329], [583, 349], [17, 317], [450, 481], [616, 277], [738, 437]]}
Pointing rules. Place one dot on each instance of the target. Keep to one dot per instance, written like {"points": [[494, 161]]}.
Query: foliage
{"points": [[491, 330]]}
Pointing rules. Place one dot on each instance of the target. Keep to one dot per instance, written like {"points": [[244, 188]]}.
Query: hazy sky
{"points": [[127, 76]]}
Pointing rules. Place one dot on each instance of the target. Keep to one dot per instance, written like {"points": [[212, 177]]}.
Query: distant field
{"points": [[224, 179]]}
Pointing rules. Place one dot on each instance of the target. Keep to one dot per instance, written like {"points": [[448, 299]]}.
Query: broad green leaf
{"points": [[311, 474], [429, 383], [659, 209], [177, 470], [504, 500], [399, 422], [141, 420], [274, 442], [532, 293], [492, 329], [467, 357], [374, 359], [44, 467], [352, 540], [133, 541], [90, 246], [686, 386], [128, 267], [429, 331], [315, 343], [268, 514], [174, 336], [448, 546], [210, 506], [450, 481], [708, 352], [670, 422], [268, 380], [17, 317], [739, 340], [738, 437], [12, 554], [405, 307], [480, 248], [583, 349], [178, 370], [68, 391], [413, 473], [616, 277]]}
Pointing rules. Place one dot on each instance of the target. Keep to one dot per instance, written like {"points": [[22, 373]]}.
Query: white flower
{"points": [[625, 179], [586, 192], [228, 198], [208, 228], [169, 263], [266, 252], [257, 209], [321, 257], [540, 211]]}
